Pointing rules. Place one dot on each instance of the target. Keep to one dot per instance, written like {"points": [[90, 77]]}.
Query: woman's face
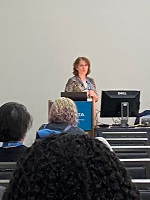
{"points": [[82, 67]]}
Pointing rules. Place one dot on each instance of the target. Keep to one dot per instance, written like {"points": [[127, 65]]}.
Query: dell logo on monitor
{"points": [[122, 93]]}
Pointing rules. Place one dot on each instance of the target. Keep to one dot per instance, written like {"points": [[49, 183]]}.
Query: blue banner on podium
{"points": [[84, 114]]}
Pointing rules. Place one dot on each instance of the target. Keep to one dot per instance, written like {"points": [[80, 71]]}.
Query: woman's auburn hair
{"points": [[76, 63]]}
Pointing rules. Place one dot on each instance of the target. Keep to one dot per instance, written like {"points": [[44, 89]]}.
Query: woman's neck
{"points": [[82, 77]]}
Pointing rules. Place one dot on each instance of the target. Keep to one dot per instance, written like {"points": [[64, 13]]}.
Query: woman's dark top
{"points": [[11, 154], [59, 127]]}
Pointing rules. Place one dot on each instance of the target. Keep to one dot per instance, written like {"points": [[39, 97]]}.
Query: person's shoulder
{"points": [[73, 78], [21, 149], [76, 130], [24, 147], [90, 79], [43, 126]]}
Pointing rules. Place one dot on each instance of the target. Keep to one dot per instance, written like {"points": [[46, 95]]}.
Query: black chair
{"points": [[145, 194], [6, 170], [142, 184], [125, 155], [144, 113], [132, 151], [2, 189], [138, 172], [128, 141], [138, 168]]}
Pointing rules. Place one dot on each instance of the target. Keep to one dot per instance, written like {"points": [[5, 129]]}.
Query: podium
{"points": [[85, 116]]}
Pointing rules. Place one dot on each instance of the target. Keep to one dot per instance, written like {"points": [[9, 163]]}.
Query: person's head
{"points": [[15, 120], [63, 110], [70, 167], [81, 65]]}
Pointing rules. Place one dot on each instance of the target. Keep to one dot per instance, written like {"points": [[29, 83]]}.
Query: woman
{"points": [[15, 121], [70, 167], [63, 118], [80, 82]]}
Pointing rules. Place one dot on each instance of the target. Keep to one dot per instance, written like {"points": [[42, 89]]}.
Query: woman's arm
{"points": [[92, 91], [69, 86], [93, 95]]}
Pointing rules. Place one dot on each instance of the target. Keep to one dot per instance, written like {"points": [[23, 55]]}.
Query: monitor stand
{"points": [[124, 114], [124, 123]]}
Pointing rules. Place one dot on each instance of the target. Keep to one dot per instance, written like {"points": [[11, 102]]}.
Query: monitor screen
{"points": [[75, 96], [112, 100]]}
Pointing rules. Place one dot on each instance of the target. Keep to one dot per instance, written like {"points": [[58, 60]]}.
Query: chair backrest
{"points": [[105, 142], [145, 194], [6, 170], [142, 184], [128, 141], [2, 189], [144, 113], [132, 151], [50, 103], [137, 172], [141, 165]]}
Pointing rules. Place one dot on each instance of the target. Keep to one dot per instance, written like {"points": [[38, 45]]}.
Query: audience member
{"points": [[63, 118], [70, 167], [15, 120]]}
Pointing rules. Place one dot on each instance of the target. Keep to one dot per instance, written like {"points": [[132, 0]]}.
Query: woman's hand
{"points": [[93, 95]]}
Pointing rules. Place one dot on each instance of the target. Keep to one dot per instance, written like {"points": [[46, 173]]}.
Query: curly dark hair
{"points": [[70, 167], [15, 120]]}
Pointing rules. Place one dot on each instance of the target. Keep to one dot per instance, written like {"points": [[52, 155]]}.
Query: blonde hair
{"points": [[64, 110]]}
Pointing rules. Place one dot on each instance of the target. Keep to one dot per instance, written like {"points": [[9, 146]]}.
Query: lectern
{"points": [[86, 116]]}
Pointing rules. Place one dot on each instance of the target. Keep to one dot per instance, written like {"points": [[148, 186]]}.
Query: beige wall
{"points": [[40, 39]]}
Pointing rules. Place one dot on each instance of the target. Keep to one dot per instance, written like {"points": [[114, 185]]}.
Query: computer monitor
{"points": [[75, 96], [120, 103]]}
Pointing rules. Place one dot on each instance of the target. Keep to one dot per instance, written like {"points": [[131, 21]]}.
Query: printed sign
{"points": [[84, 115]]}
